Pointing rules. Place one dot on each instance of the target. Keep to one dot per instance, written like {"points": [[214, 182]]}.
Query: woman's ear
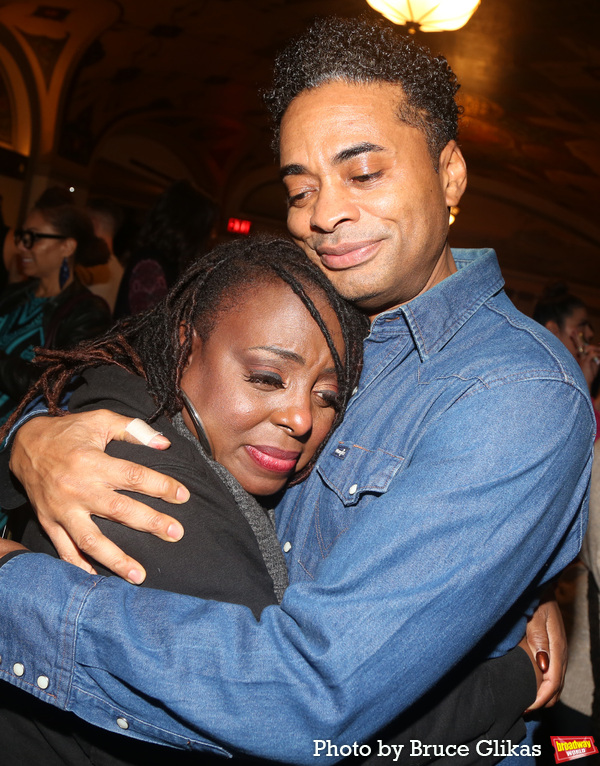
{"points": [[69, 246], [553, 327], [196, 342]]}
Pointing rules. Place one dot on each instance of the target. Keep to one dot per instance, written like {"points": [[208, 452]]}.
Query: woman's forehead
{"points": [[271, 309]]}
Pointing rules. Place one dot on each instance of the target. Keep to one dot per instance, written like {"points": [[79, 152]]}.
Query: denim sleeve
{"points": [[492, 505]]}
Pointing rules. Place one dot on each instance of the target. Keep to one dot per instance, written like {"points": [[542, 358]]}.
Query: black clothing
{"points": [[219, 557], [148, 275], [68, 318]]}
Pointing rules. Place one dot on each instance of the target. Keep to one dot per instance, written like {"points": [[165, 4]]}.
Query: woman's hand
{"points": [[68, 477], [547, 642], [589, 361]]}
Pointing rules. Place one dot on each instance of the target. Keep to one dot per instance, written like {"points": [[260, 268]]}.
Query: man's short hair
{"points": [[364, 51], [109, 212]]}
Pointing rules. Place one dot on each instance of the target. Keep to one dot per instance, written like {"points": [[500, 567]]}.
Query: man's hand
{"points": [[62, 465], [547, 641]]}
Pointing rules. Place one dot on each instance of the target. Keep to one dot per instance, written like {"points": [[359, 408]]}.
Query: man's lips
{"points": [[347, 254], [273, 459]]}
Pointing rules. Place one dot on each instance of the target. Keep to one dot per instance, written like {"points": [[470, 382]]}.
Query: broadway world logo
{"points": [[571, 748]]}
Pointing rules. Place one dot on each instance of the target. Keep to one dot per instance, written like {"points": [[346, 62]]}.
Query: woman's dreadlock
{"points": [[157, 344]]}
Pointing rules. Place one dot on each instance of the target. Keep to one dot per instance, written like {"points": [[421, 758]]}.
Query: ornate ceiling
{"points": [[162, 89]]}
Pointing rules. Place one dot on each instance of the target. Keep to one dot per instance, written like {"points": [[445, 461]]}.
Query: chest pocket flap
{"points": [[352, 471]]}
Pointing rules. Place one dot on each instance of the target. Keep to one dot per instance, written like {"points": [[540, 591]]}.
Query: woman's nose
{"points": [[295, 417]]}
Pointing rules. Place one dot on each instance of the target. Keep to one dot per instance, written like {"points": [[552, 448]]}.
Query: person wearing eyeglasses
{"points": [[51, 309]]}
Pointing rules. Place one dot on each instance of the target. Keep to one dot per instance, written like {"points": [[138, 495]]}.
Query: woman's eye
{"points": [[329, 398], [267, 379]]}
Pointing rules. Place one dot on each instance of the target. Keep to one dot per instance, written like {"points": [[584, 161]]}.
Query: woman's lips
{"points": [[347, 254], [273, 459]]}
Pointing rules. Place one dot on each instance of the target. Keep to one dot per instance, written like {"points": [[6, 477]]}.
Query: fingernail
{"points": [[182, 494], [175, 532], [159, 442], [135, 576], [543, 661]]}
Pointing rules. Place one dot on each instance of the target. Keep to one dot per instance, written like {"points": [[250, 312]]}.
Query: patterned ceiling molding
{"points": [[47, 50]]}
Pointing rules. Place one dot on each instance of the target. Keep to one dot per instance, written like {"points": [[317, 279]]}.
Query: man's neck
{"points": [[445, 266]]}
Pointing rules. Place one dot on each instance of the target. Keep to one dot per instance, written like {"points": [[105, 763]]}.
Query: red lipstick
{"points": [[273, 459]]}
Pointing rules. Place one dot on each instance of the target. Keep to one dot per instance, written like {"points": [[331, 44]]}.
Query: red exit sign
{"points": [[238, 226]]}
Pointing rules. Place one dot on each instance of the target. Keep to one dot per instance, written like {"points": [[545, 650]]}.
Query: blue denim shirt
{"points": [[454, 489]]}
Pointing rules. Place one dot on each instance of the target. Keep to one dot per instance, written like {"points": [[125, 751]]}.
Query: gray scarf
{"points": [[261, 522]]}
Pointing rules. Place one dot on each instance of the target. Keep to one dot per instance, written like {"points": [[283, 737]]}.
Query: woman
{"points": [[255, 354], [246, 367], [51, 309]]}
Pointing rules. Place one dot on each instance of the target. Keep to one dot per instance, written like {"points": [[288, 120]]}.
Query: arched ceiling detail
{"points": [[189, 72]]}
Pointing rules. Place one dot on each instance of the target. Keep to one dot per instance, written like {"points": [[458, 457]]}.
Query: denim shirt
{"points": [[454, 489]]}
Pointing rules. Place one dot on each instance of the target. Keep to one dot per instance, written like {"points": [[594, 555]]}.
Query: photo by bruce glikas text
{"points": [[498, 748]]}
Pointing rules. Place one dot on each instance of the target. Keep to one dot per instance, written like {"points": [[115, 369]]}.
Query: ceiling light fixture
{"points": [[427, 15]]}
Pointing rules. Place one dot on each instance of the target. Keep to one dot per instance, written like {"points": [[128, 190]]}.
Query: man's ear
{"points": [[453, 170]]}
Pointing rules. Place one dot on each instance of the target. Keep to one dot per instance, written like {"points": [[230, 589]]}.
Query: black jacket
{"points": [[73, 315]]}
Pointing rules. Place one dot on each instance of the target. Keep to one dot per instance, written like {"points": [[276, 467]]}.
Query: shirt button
{"points": [[122, 723], [43, 682], [18, 669], [355, 391], [287, 547], [353, 489]]}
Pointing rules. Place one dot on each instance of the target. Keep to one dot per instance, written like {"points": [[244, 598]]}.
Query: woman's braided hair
{"points": [[157, 343]]}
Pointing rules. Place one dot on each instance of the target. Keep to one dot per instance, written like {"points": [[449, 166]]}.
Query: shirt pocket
{"points": [[350, 475]]}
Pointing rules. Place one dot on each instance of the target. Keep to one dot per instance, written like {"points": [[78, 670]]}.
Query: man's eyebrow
{"points": [[295, 169], [354, 151], [292, 170], [281, 352]]}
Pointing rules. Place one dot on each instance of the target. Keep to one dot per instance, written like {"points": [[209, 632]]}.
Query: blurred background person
{"points": [[175, 230], [51, 308], [9, 271], [104, 280], [565, 315]]}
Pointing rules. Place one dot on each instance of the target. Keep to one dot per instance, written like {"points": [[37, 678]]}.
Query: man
{"points": [[451, 493], [107, 219]]}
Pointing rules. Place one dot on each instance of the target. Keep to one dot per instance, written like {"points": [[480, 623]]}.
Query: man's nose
{"points": [[332, 206]]}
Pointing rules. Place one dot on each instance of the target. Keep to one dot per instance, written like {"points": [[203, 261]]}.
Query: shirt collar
{"points": [[434, 317]]}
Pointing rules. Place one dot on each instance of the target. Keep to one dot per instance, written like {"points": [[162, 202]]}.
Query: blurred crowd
{"points": [[64, 277]]}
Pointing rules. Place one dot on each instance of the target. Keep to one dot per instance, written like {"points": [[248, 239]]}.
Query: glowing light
{"points": [[238, 226], [427, 15], [71, 189]]}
